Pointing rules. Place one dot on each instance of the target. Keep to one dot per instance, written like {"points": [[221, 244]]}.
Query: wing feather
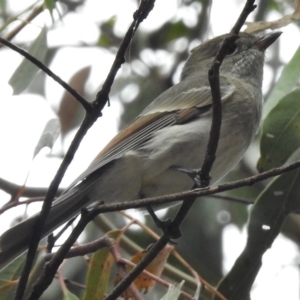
{"points": [[171, 107]]}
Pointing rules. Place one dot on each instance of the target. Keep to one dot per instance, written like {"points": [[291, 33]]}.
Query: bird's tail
{"points": [[16, 240]]}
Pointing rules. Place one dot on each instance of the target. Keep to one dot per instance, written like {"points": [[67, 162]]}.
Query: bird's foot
{"points": [[198, 178], [166, 226]]}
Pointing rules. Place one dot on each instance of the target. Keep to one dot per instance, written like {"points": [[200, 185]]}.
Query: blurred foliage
{"points": [[201, 243]]}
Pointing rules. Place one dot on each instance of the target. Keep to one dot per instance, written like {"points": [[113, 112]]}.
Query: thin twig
{"points": [[12, 189], [45, 69], [35, 12], [249, 181]]}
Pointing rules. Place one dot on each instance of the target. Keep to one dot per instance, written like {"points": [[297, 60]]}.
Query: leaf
{"points": [[9, 278], [98, 275], [99, 271], [70, 112], [143, 282], [25, 72], [49, 136], [49, 4], [280, 133], [69, 296], [105, 38], [280, 198], [288, 80], [173, 292]]}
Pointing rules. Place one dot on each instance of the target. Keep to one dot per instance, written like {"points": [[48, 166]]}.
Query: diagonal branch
{"points": [[214, 135], [172, 229], [102, 97], [47, 71]]}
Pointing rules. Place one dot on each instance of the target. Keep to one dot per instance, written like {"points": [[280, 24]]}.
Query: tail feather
{"points": [[16, 240]]}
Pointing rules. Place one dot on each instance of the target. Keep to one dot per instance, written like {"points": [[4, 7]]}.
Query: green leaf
{"points": [[280, 132], [25, 72], [177, 30], [288, 80], [173, 292], [49, 136], [98, 275], [99, 270], [69, 296], [8, 278], [280, 198], [49, 4]]}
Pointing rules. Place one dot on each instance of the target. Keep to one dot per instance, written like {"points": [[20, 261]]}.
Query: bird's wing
{"points": [[171, 107]]}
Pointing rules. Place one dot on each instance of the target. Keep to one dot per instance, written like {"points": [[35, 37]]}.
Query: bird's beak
{"points": [[266, 41]]}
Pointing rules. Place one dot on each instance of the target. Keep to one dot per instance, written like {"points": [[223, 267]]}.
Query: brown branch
{"points": [[249, 181], [84, 249], [16, 203], [35, 12], [12, 189]]}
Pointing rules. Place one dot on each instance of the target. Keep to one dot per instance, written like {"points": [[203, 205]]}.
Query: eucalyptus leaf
{"points": [[9, 278], [49, 136], [173, 292], [275, 203], [99, 271], [69, 296], [49, 4], [25, 72], [280, 132], [286, 83]]}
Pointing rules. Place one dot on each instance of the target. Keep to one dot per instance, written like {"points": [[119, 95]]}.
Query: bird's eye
{"points": [[232, 49]]}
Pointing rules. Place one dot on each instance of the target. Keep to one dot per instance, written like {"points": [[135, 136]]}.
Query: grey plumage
{"points": [[172, 131]]}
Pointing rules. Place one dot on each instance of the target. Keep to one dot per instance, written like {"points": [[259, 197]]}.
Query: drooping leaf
{"points": [[98, 275], [99, 271], [25, 72], [69, 296], [49, 4], [286, 83], [280, 198], [105, 38], [177, 30], [173, 292], [49, 136], [143, 282], [9, 278], [281, 132], [70, 112]]}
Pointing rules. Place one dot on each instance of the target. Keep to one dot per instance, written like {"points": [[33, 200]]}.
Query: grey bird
{"points": [[172, 131]]}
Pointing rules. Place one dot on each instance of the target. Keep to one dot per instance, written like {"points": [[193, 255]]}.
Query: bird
{"points": [[146, 158]]}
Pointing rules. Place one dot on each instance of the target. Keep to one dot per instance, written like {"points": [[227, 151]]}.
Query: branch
{"points": [[92, 115], [213, 76], [172, 229], [35, 12], [12, 189], [188, 195], [46, 70], [214, 135]]}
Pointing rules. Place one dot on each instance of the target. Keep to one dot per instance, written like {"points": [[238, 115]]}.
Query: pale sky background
{"points": [[22, 118]]}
